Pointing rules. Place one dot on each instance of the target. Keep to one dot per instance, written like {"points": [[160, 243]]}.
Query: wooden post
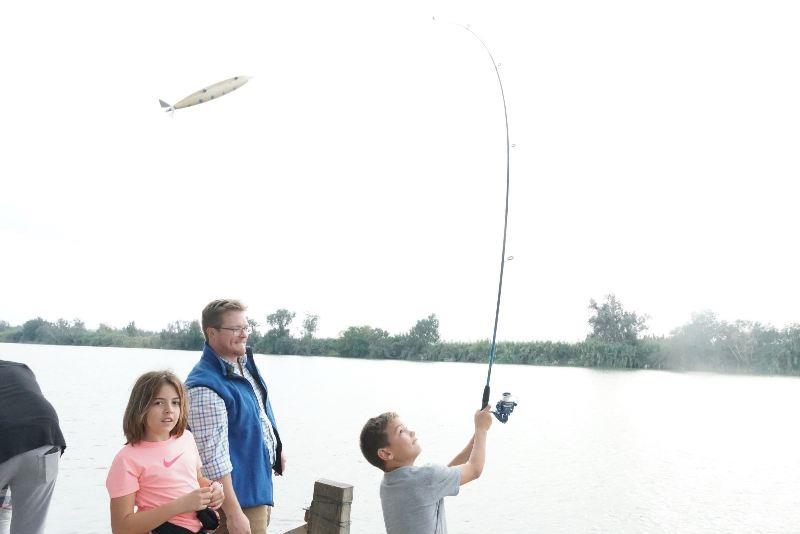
{"points": [[330, 509]]}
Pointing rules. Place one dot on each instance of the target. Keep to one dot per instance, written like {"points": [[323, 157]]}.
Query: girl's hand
{"points": [[217, 496], [196, 500]]}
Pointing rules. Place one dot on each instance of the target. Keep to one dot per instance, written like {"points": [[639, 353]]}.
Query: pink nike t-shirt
{"points": [[158, 472]]}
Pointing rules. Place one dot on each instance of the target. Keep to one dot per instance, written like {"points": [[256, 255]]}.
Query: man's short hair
{"points": [[214, 310], [374, 437]]}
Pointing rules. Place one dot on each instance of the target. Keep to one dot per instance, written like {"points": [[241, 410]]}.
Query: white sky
{"points": [[360, 174]]}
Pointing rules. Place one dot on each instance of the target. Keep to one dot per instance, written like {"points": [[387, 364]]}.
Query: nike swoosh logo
{"points": [[168, 463]]}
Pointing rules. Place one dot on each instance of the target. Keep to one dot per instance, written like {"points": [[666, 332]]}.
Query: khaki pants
{"points": [[258, 516]]}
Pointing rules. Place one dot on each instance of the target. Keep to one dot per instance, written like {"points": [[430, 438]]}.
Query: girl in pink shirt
{"points": [[154, 482]]}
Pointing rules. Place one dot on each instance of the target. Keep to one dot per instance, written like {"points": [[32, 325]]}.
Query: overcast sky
{"points": [[360, 174]]}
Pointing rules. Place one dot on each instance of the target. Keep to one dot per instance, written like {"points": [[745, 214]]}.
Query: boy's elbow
{"points": [[469, 473]]}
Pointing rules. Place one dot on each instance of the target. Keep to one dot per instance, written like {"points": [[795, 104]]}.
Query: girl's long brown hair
{"points": [[142, 395]]}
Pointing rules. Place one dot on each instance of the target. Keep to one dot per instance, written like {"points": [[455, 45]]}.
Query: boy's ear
{"points": [[385, 454]]}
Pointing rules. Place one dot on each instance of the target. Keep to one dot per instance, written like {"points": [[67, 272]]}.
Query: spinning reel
{"points": [[504, 407]]}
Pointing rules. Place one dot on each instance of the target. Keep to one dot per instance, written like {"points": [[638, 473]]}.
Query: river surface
{"points": [[585, 451]]}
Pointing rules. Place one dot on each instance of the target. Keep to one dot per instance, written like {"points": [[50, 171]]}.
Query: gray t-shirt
{"points": [[413, 498]]}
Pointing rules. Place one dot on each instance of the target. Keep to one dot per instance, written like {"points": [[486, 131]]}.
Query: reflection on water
{"points": [[585, 450]]}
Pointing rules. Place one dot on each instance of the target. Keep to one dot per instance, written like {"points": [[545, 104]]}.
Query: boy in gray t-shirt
{"points": [[413, 497]]}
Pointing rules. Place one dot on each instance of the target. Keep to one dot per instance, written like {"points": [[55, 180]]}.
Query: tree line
{"points": [[617, 340]]}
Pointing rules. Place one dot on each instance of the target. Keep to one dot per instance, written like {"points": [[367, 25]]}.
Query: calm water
{"points": [[586, 451]]}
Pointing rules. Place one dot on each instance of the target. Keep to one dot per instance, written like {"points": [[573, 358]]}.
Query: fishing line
{"points": [[506, 405]]}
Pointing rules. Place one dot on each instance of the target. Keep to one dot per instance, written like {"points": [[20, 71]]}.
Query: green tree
{"points": [[194, 337], [417, 343], [278, 340], [253, 325], [363, 341], [33, 329], [182, 335], [426, 331], [254, 340], [695, 345], [612, 324], [310, 323], [280, 321]]}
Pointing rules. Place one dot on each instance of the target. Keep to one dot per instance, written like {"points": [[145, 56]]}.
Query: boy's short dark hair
{"points": [[374, 437]]}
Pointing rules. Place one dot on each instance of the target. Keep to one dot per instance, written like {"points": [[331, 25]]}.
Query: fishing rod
{"points": [[504, 406]]}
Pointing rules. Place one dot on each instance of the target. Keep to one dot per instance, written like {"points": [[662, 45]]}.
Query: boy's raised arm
{"points": [[473, 467], [463, 456]]}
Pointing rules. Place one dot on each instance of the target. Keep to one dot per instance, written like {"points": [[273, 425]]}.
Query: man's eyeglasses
{"points": [[237, 330]]}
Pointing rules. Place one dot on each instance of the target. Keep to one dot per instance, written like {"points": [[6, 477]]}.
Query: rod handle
{"points": [[485, 401]]}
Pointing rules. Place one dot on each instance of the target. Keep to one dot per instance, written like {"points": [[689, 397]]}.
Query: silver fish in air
{"points": [[209, 93]]}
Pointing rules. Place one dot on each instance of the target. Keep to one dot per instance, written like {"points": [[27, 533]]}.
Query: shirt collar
{"points": [[242, 360]]}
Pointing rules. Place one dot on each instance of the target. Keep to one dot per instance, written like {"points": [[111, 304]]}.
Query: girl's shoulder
{"points": [[126, 450], [125, 457]]}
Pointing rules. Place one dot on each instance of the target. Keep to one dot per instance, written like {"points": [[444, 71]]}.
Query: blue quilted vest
{"points": [[252, 472]]}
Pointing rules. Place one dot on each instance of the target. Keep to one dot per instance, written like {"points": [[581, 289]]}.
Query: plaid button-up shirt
{"points": [[208, 419]]}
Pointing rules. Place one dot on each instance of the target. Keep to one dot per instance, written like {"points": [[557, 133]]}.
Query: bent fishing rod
{"points": [[504, 406]]}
